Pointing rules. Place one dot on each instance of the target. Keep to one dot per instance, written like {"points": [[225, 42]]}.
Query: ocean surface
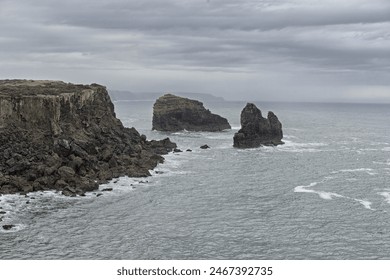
{"points": [[325, 194]]}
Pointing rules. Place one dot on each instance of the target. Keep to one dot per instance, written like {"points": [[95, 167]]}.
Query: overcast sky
{"points": [[281, 50]]}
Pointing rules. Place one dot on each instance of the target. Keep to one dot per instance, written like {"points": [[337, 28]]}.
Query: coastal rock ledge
{"points": [[66, 137], [174, 113], [257, 131]]}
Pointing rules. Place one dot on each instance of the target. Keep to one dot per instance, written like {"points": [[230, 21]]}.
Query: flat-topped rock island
{"points": [[174, 113]]}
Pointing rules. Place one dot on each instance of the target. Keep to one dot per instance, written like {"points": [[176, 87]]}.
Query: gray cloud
{"points": [[280, 49]]}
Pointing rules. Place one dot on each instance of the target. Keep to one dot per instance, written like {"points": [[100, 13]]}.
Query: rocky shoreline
{"points": [[66, 137]]}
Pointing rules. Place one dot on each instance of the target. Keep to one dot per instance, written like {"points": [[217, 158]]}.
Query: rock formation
{"points": [[174, 113], [257, 131], [66, 137]]}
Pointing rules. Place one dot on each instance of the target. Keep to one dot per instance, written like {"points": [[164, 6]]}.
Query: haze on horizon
{"points": [[273, 50]]}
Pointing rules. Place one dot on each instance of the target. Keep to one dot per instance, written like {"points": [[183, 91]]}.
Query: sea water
{"points": [[325, 194]]}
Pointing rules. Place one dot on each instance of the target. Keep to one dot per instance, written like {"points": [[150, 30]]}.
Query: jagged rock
{"points": [[205, 146], [257, 131], [174, 113], [55, 135], [177, 151]]}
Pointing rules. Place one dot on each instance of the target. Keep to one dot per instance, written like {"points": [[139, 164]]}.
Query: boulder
{"points": [[8, 227], [257, 131], [174, 113]]}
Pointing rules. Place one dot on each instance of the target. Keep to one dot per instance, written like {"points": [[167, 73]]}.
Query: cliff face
{"points": [[62, 136], [257, 131], [174, 113]]}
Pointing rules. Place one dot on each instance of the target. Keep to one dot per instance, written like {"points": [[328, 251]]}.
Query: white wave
{"points": [[369, 171], [236, 127], [386, 149], [322, 194], [365, 203], [295, 147], [386, 195], [289, 137], [330, 195], [382, 163]]}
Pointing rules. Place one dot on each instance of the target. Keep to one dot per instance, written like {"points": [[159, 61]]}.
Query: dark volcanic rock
{"points": [[66, 137], [8, 227], [174, 113], [205, 146], [257, 131]]}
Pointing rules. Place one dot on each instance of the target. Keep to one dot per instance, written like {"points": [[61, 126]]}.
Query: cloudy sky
{"points": [[280, 50]]}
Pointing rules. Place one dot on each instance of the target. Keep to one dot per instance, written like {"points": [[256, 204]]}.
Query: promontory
{"points": [[257, 131], [174, 113], [66, 137]]}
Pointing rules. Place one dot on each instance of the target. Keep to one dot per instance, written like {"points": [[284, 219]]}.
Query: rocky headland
{"points": [[66, 137], [174, 113], [256, 130]]}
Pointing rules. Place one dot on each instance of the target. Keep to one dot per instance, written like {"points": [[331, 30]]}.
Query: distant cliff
{"points": [[117, 95], [61, 136], [175, 113], [257, 131]]}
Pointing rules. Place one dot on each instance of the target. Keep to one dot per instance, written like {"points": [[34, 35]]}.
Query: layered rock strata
{"points": [[66, 137], [257, 131], [174, 113]]}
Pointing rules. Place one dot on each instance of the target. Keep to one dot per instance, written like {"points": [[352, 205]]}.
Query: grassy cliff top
{"points": [[40, 87]]}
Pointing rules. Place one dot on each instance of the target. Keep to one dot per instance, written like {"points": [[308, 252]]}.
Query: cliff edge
{"points": [[257, 131], [66, 137], [174, 113]]}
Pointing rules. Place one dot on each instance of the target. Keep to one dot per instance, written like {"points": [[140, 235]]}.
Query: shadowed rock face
{"points": [[174, 113], [55, 135], [257, 131]]}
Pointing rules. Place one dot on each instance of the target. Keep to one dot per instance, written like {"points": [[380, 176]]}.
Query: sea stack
{"points": [[66, 137], [257, 131], [174, 113]]}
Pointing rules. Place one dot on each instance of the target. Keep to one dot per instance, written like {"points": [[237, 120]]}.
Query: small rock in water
{"points": [[99, 194], [107, 190], [205, 147], [8, 227], [3, 212], [177, 150], [188, 150]]}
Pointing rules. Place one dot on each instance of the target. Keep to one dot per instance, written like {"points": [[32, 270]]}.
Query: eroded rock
{"points": [[257, 131], [174, 113]]}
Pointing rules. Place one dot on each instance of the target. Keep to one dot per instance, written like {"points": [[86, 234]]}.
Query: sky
{"points": [[266, 50]]}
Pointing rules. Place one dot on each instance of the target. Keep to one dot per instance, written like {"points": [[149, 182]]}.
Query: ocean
{"points": [[324, 194]]}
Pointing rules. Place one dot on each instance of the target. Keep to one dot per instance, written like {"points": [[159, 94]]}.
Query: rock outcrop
{"points": [[66, 137], [257, 131], [174, 113]]}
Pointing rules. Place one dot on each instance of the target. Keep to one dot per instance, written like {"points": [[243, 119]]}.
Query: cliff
{"points": [[257, 131], [174, 113], [61, 136]]}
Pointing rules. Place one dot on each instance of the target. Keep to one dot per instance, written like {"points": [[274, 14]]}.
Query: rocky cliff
{"points": [[257, 131], [61, 136], [174, 113]]}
